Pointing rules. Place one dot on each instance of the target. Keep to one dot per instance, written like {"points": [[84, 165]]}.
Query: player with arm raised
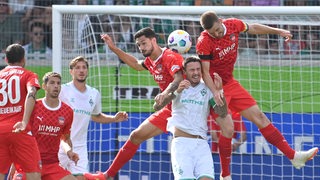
{"points": [[166, 68], [18, 88], [217, 47], [86, 104]]}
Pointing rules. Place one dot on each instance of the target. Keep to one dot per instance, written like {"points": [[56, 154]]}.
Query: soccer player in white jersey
{"points": [[191, 156], [86, 104]]}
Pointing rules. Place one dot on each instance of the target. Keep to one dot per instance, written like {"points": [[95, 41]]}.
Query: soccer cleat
{"points": [[97, 176], [225, 178], [301, 157]]}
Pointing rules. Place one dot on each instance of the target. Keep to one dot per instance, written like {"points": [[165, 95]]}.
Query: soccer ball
{"points": [[180, 41]]}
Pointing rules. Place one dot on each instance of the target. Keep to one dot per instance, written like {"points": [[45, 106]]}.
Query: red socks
{"points": [[124, 155], [225, 151], [274, 137]]}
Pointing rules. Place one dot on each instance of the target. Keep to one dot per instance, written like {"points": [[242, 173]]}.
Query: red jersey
{"points": [[14, 81], [164, 68], [221, 53], [47, 126]]}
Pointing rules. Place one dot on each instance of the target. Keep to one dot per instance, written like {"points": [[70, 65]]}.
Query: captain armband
{"points": [[212, 102]]}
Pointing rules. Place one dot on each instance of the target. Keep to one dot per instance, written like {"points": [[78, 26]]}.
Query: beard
{"points": [[148, 53], [81, 80]]}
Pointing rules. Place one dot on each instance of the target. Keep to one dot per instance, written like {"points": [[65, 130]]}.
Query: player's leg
{"points": [[5, 158], [145, 131], [55, 171], [204, 169], [154, 125], [183, 157], [274, 137], [225, 145], [82, 165], [25, 153]]}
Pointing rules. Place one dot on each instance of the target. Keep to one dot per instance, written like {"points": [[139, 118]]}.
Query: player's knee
{"points": [[136, 137]]}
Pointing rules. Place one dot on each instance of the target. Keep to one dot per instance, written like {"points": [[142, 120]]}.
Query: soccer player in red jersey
{"points": [[217, 47], [166, 68], [51, 122], [239, 135], [18, 88]]}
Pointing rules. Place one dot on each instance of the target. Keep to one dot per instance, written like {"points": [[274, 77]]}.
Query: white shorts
{"points": [[82, 165], [191, 158]]}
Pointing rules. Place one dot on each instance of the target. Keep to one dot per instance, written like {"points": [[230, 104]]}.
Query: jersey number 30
{"points": [[13, 82]]}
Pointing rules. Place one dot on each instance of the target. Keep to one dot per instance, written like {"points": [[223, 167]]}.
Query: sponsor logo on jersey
{"points": [[158, 77], [191, 101], [227, 50], [40, 118], [45, 129]]}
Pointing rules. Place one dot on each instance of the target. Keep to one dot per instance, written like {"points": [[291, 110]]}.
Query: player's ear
{"points": [[43, 86]]}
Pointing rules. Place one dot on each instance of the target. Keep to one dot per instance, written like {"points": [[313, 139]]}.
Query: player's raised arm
{"points": [[164, 98], [264, 29], [217, 93], [103, 118], [130, 60]]}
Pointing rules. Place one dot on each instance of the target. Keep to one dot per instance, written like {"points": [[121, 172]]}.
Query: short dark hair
{"points": [[208, 18], [147, 32], [15, 53], [75, 60], [48, 75], [189, 60]]}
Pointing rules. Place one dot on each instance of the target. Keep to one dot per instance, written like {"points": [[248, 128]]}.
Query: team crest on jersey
{"points": [[19, 176], [72, 100], [232, 37], [203, 92], [61, 120], [159, 68], [91, 102]]}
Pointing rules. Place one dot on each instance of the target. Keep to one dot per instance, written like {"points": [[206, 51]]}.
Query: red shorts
{"points": [[160, 118], [49, 172], [19, 148], [238, 98]]}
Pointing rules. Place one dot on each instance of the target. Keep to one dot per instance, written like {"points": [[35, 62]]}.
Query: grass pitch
{"points": [[276, 89]]}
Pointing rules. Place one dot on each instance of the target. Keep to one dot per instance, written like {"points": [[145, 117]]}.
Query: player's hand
{"points": [[217, 81], [184, 84], [162, 100], [218, 94], [121, 116], [159, 98], [108, 40], [19, 127], [286, 34], [73, 156], [235, 146]]}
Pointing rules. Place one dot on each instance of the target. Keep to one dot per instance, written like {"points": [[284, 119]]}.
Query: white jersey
{"points": [[190, 110], [84, 104]]}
